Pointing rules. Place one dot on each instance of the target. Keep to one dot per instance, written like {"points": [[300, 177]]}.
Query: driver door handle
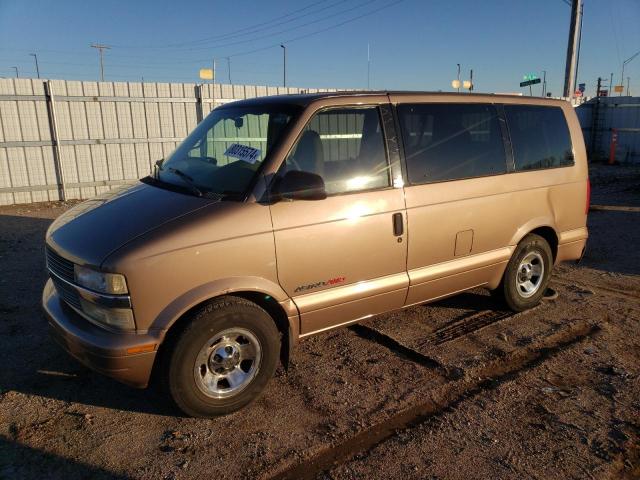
{"points": [[398, 227]]}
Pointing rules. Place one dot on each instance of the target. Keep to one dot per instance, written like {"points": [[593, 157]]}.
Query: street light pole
{"points": [[628, 79], [284, 65], [17, 74], [458, 77], [37, 69], [544, 83], [229, 68], [628, 60]]}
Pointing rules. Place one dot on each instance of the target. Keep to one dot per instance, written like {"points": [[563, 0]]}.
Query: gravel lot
{"points": [[455, 389]]}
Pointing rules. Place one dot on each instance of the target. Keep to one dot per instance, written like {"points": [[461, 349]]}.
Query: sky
{"points": [[413, 44]]}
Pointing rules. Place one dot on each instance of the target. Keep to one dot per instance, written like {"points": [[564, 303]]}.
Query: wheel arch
{"points": [[550, 235], [539, 226], [542, 229], [175, 317]]}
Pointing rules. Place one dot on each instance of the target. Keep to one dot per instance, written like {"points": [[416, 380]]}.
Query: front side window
{"points": [[222, 155], [451, 141], [539, 136], [345, 146]]}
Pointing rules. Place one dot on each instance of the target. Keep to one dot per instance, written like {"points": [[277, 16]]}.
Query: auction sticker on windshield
{"points": [[243, 152]]}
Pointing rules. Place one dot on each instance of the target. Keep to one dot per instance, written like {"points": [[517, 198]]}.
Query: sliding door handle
{"points": [[398, 227]]}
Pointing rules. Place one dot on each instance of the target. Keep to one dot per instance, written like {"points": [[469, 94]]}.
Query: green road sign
{"points": [[530, 82]]}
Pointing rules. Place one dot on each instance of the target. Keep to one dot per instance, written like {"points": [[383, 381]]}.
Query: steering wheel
{"points": [[211, 160]]}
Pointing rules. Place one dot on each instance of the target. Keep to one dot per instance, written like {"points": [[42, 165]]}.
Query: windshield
{"points": [[222, 155]]}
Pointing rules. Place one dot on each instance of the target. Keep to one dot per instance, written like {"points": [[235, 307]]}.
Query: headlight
{"points": [[120, 318], [112, 283]]}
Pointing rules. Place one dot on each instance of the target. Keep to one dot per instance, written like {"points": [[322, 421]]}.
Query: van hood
{"points": [[90, 231]]}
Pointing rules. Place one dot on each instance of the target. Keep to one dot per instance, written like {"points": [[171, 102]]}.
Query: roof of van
{"points": [[304, 99]]}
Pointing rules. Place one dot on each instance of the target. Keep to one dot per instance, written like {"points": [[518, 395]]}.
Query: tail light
{"points": [[586, 211]]}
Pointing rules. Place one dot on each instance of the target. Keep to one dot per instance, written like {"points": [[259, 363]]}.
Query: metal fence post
{"points": [[198, 92], [53, 129]]}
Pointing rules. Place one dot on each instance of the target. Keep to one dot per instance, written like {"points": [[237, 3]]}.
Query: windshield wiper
{"points": [[186, 179], [189, 181]]}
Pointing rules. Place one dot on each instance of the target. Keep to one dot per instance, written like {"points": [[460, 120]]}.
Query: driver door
{"points": [[343, 258]]}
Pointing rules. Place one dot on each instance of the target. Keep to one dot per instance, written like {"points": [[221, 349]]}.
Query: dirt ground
{"points": [[457, 389]]}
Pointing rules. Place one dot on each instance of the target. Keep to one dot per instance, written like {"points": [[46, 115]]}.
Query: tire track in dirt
{"points": [[443, 399], [465, 326]]}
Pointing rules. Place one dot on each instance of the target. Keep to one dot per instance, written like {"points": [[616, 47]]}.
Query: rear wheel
{"points": [[527, 275], [223, 359]]}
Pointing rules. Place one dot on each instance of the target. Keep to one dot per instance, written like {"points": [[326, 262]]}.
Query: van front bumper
{"points": [[106, 352]]}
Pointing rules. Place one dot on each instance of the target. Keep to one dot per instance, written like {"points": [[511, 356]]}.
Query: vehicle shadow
{"points": [[21, 461], [474, 300]]}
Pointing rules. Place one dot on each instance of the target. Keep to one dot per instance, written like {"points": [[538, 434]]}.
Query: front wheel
{"points": [[223, 359], [527, 274]]}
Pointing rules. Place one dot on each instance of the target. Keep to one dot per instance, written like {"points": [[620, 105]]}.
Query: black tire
{"points": [[221, 315], [508, 290]]}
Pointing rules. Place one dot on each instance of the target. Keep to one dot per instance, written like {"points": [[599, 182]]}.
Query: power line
{"points": [[237, 54], [243, 31], [331, 27], [281, 32]]}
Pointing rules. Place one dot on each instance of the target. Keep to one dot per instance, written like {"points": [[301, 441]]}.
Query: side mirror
{"points": [[297, 185]]}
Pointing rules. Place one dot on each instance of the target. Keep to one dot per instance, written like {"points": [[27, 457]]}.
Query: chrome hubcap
{"points": [[227, 363], [530, 274]]}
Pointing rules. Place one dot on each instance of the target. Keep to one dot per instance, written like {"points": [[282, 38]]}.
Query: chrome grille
{"points": [[61, 267], [67, 292]]}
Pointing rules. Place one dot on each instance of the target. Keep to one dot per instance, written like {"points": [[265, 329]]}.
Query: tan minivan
{"points": [[285, 216]]}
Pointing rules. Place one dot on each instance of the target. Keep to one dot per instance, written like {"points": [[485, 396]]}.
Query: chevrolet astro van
{"points": [[285, 216]]}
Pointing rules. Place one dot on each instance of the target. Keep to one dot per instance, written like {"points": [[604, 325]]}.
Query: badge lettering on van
{"points": [[327, 283], [243, 152]]}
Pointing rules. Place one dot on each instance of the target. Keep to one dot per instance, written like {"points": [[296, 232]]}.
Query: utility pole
{"points": [[101, 48], [37, 69], [368, 67], [611, 84], [575, 77], [544, 83], [229, 68], [458, 77], [471, 80], [571, 66], [284, 65], [628, 79], [17, 74]]}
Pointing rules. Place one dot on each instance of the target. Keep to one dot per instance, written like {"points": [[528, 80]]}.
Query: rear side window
{"points": [[451, 141], [539, 136]]}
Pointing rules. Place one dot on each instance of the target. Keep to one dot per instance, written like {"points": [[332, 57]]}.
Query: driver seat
{"points": [[309, 153]]}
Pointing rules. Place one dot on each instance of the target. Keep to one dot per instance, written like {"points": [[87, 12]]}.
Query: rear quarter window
{"points": [[539, 136], [451, 141]]}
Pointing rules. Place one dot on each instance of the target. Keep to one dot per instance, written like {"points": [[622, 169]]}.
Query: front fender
{"points": [[182, 304]]}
